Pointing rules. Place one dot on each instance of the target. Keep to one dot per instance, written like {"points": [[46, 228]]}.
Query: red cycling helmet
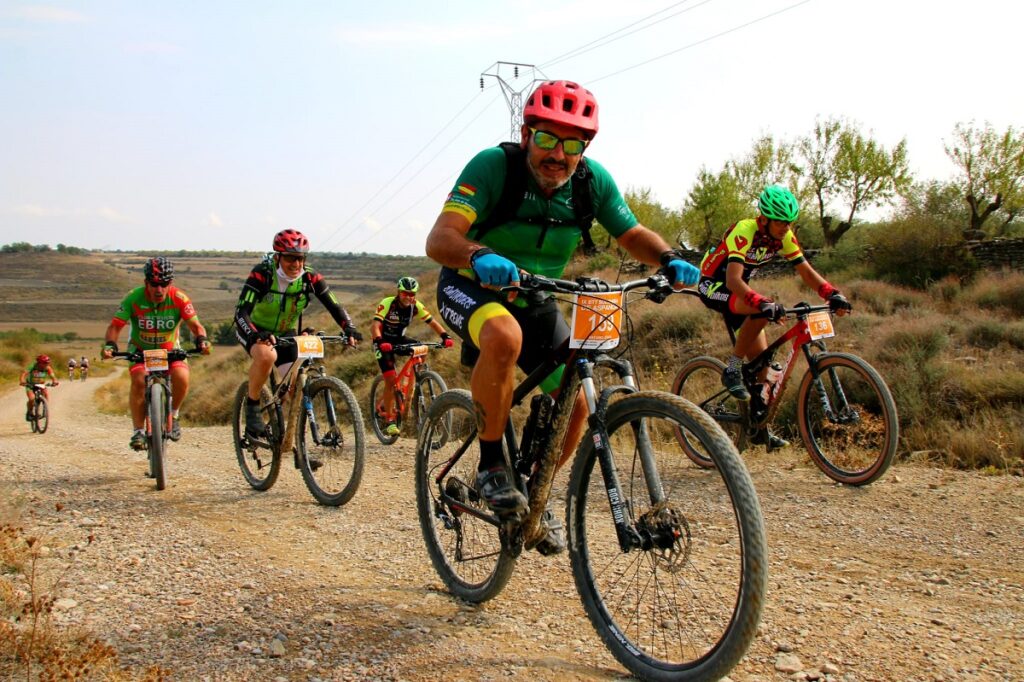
{"points": [[42, 359], [563, 102], [291, 241]]}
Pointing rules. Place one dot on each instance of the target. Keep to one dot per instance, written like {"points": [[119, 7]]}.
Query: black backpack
{"points": [[514, 191]]}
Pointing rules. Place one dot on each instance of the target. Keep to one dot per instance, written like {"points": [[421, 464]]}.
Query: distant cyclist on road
{"points": [[83, 367], [486, 233], [155, 311], [72, 364], [393, 316], [39, 372], [271, 305], [726, 270]]}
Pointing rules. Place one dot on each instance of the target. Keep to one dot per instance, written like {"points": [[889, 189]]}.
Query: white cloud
{"points": [[213, 220], [47, 14]]}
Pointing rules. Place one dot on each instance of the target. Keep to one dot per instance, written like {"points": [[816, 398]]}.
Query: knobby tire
{"points": [[340, 453], [260, 465]]}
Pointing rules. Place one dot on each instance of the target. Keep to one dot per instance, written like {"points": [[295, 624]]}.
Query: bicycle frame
{"points": [[293, 383], [405, 379], [579, 373]]}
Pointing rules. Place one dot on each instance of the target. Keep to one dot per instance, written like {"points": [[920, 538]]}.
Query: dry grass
{"points": [[33, 643]]}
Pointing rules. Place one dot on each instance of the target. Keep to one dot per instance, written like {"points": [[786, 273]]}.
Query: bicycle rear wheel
{"points": [[468, 553], [260, 461], [686, 605], [847, 419], [429, 385], [41, 416], [157, 420], [331, 441], [700, 382], [378, 420]]}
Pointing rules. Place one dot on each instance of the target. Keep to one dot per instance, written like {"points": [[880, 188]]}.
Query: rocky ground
{"points": [[917, 577]]}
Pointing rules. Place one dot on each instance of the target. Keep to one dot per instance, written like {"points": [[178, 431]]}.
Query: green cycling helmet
{"points": [[778, 203], [408, 284]]}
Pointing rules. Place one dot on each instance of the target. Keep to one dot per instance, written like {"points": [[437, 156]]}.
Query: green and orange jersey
{"points": [[154, 325], [745, 243], [37, 375]]}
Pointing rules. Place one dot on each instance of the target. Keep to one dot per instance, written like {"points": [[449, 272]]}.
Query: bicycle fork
{"points": [[841, 413]]}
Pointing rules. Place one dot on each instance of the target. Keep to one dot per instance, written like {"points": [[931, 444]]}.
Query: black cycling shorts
{"points": [[288, 352], [715, 294]]}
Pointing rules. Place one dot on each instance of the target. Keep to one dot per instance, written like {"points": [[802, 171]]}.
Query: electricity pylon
{"points": [[513, 97]]}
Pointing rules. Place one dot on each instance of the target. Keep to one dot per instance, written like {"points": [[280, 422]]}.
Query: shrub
{"points": [[883, 299], [999, 292], [915, 252]]}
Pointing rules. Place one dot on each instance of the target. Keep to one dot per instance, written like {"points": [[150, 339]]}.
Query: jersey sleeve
{"points": [[422, 313], [479, 185], [382, 308], [739, 239], [610, 207], [184, 305], [791, 250], [124, 312]]}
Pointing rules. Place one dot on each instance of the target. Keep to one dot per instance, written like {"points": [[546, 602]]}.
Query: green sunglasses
{"points": [[547, 141]]}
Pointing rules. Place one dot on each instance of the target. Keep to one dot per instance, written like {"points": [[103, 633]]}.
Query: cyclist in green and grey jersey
{"points": [[271, 305]]}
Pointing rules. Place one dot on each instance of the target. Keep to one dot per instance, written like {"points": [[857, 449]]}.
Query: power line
{"points": [[594, 44], [331, 237], [702, 41]]}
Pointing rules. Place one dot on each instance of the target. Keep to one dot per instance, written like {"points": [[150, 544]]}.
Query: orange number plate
{"points": [[596, 320]]}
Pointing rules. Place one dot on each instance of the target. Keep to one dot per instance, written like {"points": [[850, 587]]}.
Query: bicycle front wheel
{"points": [[331, 441], [41, 416], [700, 382], [467, 552], [685, 604], [847, 419], [429, 385], [259, 461], [157, 421], [377, 418]]}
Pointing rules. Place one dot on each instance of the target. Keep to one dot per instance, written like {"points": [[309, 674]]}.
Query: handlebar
{"points": [[290, 340], [408, 348], [800, 309], [173, 354], [657, 285]]}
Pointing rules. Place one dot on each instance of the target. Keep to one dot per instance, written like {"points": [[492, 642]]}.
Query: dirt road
{"points": [[918, 577]]}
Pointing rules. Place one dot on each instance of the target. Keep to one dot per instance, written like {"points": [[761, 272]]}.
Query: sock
{"points": [[142, 431], [174, 414], [734, 362], [491, 455], [250, 401]]}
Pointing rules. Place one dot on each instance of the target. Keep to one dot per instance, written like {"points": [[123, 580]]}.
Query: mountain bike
{"points": [[83, 373], [845, 412], [415, 378], [40, 408], [157, 363], [669, 559], [311, 414]]}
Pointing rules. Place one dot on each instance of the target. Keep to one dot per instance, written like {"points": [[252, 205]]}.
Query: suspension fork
{"points": [[827, 407], [597, 406]]}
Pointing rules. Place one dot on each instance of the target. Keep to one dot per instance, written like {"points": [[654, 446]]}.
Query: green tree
{"points": [[849, 171], [935, 200], [648, 211], [767, 163], [990, 173], [712, 205]]}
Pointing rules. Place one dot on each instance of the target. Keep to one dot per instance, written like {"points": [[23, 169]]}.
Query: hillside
{"points": [[60, 292]]}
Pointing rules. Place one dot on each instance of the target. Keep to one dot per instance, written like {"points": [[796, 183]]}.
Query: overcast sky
{"points": [[202, 124]]}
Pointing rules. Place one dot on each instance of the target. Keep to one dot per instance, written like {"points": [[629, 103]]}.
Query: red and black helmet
{"points": [[43, 359], [159, 270], [563, 102], [291, 241]]}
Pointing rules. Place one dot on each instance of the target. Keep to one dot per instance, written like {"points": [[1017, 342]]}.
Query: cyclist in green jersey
{"points": [[273, 298], [560, 120], [392, 318], [724, 285], [155, 311], [39, 372]]}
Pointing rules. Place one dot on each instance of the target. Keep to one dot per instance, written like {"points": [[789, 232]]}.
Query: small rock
{"points": [[65, 604], [276, 648], [788, 663]]}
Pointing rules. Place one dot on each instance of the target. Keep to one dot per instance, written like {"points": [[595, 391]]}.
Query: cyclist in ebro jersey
{"points": [[539, 236], [39, 372], [155, 311], [393, 316], [725, 272], [271, 304]]}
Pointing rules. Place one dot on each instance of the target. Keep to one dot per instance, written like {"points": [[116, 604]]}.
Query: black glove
{"points": [[202, 344], [354, 333], [264, 335], [837, 302], [772, 310]]}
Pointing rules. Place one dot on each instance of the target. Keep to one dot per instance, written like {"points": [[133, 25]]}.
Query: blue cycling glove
{"points": [[493, 269], [678, 270]]}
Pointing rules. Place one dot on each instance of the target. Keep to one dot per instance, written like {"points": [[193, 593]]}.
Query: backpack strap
{"points": [[514, 191]]}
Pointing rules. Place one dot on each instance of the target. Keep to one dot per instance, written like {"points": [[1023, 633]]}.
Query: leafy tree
{"points": [[934, 200], [767, 163], [648, 211], [990, 173], [845, 168], [712, 205]]}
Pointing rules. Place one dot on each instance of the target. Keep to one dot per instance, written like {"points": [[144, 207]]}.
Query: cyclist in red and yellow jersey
{"points": [[155, 311], [725, 272], [39, 372]]}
